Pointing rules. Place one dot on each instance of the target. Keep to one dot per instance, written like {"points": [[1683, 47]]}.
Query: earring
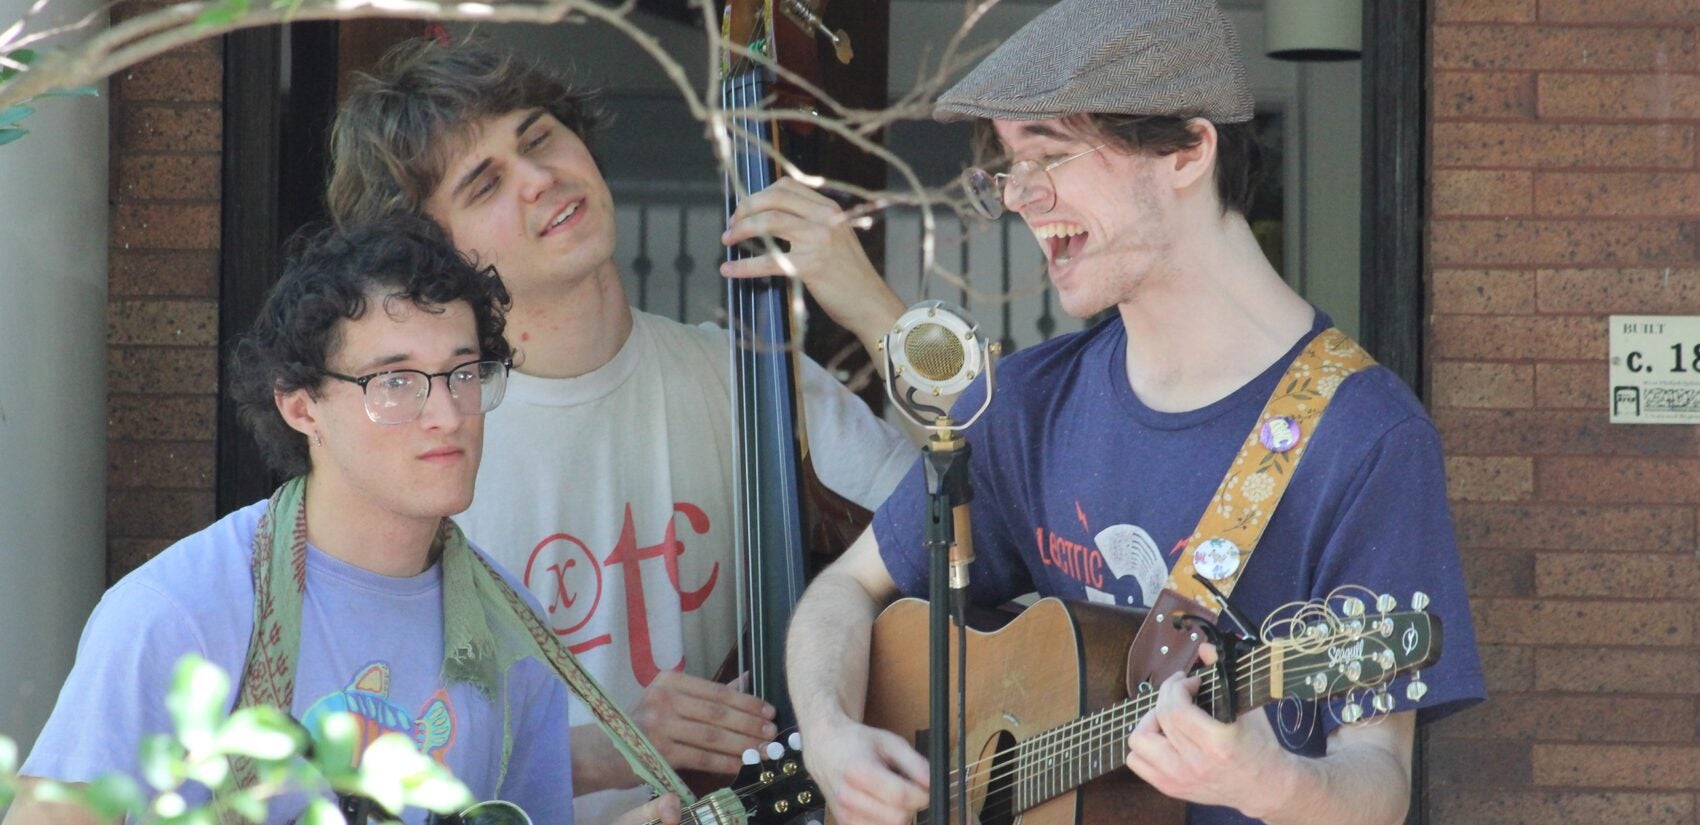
{"points": [[318, 440]]}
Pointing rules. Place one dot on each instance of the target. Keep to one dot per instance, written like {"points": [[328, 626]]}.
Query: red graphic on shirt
{"points": [[1080, 513], [572, 580], [1077, 561]]}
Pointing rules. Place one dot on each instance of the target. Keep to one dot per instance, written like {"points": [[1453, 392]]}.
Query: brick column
{"points": [[1565, 188], [163, 311]]}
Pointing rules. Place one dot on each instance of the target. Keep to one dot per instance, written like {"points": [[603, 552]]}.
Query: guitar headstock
{"points": [[772, 788], [775, 787], [1324, 650]]}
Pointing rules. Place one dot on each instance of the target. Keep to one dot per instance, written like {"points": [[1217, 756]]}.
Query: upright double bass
{"points": [[789, 523]]}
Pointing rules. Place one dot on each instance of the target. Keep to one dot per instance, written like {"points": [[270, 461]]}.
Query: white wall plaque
{"points": [[1655, 369]]}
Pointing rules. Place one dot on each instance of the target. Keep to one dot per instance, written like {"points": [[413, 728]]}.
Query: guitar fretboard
{"points": [[1070, 755]]}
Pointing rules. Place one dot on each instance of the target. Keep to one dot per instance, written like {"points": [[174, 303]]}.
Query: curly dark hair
{"points": [[391, 136], [333, 276]]}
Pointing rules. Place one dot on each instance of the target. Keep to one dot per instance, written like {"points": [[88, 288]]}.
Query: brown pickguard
{"points": [[1053, 663]]}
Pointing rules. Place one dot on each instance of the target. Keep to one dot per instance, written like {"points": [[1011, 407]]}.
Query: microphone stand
{"points": [[950, 538], [950, 543]]}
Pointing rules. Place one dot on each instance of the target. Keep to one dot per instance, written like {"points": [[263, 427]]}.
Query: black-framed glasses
{"points": [[399, 396], [1028, 181]]}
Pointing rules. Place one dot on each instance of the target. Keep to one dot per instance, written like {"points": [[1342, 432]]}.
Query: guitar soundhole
{"points": [[998, 807]]}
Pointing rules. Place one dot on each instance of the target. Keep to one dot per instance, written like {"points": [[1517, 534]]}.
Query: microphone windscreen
{"points": [[934, 352]]}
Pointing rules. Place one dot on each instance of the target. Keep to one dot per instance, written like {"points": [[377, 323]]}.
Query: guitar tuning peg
{"points": [[795, 740], [1417, 688], [1352, 606], [1385, 603], [1383, 702], [752, 756], [775, 750], [1419, 600], [1351, 713]]}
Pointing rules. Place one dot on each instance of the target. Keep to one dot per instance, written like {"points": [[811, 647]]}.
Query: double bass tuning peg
{"points": [[804, 15]]}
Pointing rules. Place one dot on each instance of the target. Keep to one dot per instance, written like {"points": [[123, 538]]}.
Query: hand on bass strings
{"points": [[1183, 752], [702, 725], [870, 776], [664, 809], [823, 251]]}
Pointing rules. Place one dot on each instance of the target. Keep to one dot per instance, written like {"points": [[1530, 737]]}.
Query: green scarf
{"points": [[487, 627]]}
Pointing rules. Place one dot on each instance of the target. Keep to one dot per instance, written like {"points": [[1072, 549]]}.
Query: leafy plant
{"points": [[11, 64], [391, 771]]}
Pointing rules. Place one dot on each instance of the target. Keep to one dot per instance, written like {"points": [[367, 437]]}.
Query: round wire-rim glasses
{"points": [[399, 396], [1031, 181]]}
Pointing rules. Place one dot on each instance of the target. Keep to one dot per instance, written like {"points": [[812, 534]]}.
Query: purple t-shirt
{"points": [[1083, 492], [371, 645]]}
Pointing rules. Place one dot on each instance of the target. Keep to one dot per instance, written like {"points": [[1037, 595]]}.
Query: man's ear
{"points": [[1199, 161], [299, 410]]}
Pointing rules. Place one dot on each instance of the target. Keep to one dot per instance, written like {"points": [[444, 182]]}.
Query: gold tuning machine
{"points": [[804, 15]]}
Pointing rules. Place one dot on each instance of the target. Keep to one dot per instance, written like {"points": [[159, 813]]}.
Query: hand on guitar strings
{"points": [[664, 809], [823, 251], [870, 776], [702, 725], [1183, 752]]}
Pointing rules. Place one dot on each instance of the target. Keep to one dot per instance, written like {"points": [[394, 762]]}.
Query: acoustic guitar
{"points": [[1050, 707]]}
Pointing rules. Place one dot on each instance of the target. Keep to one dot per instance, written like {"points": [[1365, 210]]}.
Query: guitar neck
{"points": [[1070, 755]]}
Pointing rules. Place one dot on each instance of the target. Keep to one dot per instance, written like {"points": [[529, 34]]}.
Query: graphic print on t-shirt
{"points": [[1129, 551], [1120, 551], [566, 575], [367, 697]]}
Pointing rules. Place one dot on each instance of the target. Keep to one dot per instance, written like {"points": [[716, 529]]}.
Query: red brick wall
{"points": [[1565, 187], [162, 312]]}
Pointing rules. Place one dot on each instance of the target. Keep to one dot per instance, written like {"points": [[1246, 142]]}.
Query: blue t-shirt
{"points": [[371, 645], [1083, 492]]}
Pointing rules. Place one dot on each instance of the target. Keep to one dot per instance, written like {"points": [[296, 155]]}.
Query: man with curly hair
{"points": [[607, 485], [366, 379]]}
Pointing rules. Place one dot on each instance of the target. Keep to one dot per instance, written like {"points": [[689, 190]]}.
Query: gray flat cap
{"points": [[1137, 57]]}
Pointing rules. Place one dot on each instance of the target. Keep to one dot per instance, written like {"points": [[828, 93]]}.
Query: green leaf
{"points": [[162, 762], [209, 770], [438, 791], [75, 91], [23, 56], [112, 796], [334, 745], [14, 114], [263, 733], [50, 791], [200, 693], [169, 805], [225, 13], [9, 135], [321, 811], [8, 755], [385, 768], [248, 805]]}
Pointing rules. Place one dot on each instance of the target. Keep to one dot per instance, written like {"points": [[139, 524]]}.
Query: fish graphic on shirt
{"points": [[367, 698]]}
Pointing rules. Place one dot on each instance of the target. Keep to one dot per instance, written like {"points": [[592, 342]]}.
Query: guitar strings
{"points": [[1101, 730]]}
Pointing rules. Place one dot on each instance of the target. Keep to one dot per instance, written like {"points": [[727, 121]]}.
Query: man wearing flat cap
{"points": [[1149, 453]]}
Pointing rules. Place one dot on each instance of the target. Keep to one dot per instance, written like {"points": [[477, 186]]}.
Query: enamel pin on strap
{"points": [[1231, 526]]}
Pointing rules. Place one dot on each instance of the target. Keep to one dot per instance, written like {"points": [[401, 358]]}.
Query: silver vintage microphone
{"points": [[937, 349]]}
